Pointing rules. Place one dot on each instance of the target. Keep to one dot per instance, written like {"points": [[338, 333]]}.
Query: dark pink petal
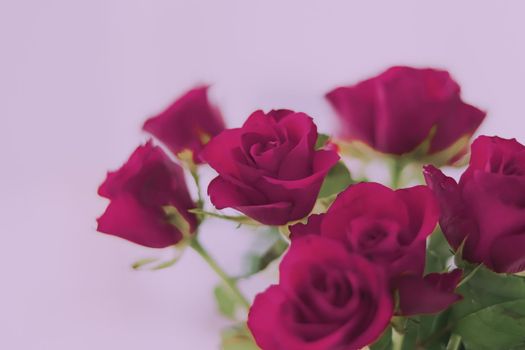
{"points": [[126, 218], [467, 120], [187, 123], [455, 220], [424, 212], [277, 213], [428, 295], [312, 227], [264, 318], [508, 254], [220, 154]]}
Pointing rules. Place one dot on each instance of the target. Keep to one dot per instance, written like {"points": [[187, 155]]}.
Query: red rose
{"points": [[139, 192], [187, 124], [389, 228], [269, 169], [386, 226], [327, 298], [486, 210], [396, 111]]}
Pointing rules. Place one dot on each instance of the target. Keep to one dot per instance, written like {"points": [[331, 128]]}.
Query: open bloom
{"points": [[389, 228], [396, 111], [269, 168], [327, 298], [485, 211], [187, 124], [143, 194], [386, 226]]}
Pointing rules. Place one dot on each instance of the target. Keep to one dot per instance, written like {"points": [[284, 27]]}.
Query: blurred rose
{"points": [[486, 209], [187, 124], [269, 169], [327, 298], [140, 193], [397, 110]]}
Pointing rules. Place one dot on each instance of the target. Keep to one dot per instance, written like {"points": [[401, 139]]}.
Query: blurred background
{"points": [[77, 80]]}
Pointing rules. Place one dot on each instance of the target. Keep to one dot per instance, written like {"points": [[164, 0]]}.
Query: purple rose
{"points": [[269, 168], [187, 124], [139, 193], [486, 209], [397, 110]]}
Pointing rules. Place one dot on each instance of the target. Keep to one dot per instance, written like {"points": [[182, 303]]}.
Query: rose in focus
{"points": [[327, 298], [269, 168]]}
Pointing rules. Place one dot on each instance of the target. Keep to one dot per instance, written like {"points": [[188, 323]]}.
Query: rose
{"points": [[386, 226], [485, 211], [187, 124], [143, 194], [399, 109], [269, 168], [327, 298], [389, 228]]}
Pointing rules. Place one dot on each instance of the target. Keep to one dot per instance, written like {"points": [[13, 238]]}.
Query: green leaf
{"points": [[338, 179], [492, 314], [500, 326], [384, 342], [322, 139], [438, 253], [260, 262], [238, 338], [226, 302]]}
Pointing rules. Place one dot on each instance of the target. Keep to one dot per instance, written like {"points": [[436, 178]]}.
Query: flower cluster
{"points": [[405, 265]]}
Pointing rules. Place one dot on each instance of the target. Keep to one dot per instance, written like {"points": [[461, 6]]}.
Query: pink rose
{"points": [[187, 124], [327, 298], [269, 168], [386, 226], [389, 228], [486, 209], [396, 111], [139, 192]]}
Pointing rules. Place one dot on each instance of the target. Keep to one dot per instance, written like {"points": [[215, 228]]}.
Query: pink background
{"points": [[77, 79]]}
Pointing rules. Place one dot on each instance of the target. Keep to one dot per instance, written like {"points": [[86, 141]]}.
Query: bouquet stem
{"points": [[227, 280]]}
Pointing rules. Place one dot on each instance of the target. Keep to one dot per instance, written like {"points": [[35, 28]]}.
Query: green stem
{"points": [[395, 173], [240, 219], [196, 179], [227, 280], [397, 339], [454, 342]]}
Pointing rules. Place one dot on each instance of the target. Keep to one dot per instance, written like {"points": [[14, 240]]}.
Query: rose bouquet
{"points": [[420, 262]]}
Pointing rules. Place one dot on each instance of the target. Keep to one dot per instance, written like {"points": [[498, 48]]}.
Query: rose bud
{"points": [[149, 200], [269, 168], [327, 298], [187, 124], [485, 212], [398, 110]]}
